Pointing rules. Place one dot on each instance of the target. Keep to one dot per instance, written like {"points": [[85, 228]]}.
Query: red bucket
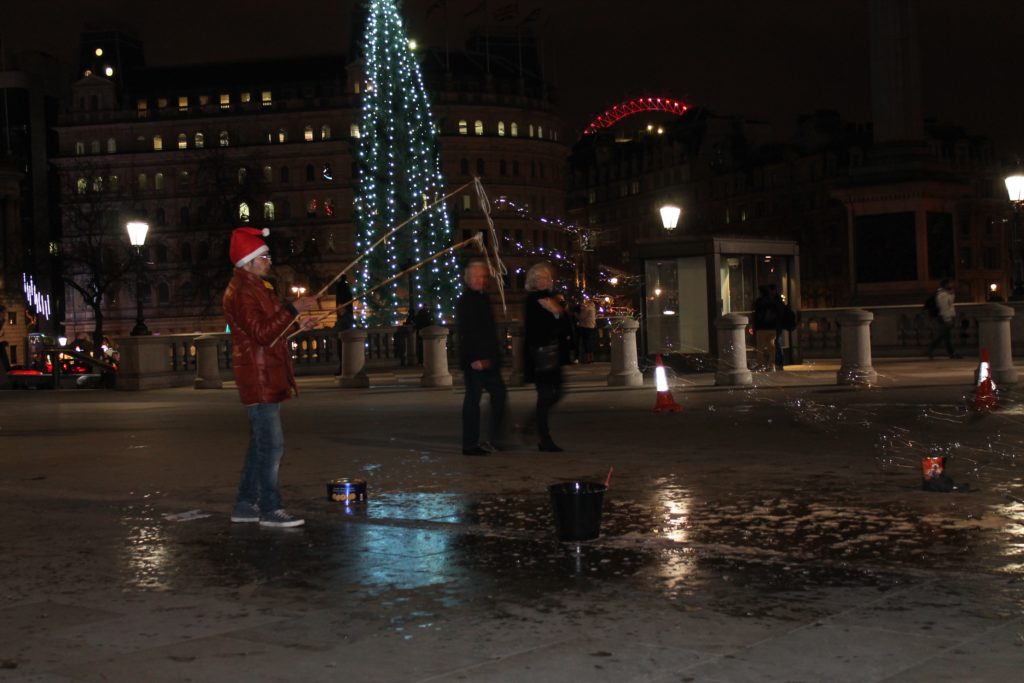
{"points": [[933, 467]]}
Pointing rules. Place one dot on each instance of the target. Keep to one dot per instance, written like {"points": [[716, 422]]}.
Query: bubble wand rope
{"points": [[372, 247], [497, 269], [478, 238]]}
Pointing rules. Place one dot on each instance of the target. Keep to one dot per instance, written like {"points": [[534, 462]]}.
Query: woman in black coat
{"points": [[542, 336]]}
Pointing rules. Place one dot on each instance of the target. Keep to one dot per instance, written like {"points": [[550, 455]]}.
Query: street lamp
{"points": [[670, 216], [298, 291], [137, 236], [1015, 189]]}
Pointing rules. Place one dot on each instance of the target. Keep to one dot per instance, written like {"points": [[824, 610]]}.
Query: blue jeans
{"points": [[476, 382], [262, 460]]}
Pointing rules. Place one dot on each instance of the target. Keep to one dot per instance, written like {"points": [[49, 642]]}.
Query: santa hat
{"points": [[247, 244]]}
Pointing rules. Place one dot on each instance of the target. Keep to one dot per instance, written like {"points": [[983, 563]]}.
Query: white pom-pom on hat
{"points": [[266, 232]]}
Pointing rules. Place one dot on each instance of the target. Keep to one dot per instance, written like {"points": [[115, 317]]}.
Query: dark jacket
{"points": [[540, 328], [767, 315], [478, 335], [256, 316]]}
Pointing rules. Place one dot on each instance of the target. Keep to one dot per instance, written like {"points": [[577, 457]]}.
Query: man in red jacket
{"points": [[263, 373]]}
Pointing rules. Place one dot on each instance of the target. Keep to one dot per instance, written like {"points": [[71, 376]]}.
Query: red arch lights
{"points": [[630, 107]]}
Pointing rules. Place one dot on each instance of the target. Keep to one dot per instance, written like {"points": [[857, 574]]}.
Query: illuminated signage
{"points": [[37, 301]]}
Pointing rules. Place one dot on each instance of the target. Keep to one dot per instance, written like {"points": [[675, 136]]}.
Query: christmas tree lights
{"points": [[399, 175]]}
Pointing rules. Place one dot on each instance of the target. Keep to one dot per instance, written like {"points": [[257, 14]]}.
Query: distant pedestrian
{"points": [[542, 363], [423, 319], [942, 326], [766, 320], [480, 360], [785, 322], [263, 373], [586, 329], [345, 319]]}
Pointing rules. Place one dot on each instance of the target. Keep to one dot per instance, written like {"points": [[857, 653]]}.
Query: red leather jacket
{"points": [[263, 373]]}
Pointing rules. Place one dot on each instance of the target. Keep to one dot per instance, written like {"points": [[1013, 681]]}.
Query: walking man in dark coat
{"points": [[480, 360]]}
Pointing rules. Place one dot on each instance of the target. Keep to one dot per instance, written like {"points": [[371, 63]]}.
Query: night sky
{"points": [[762, 60]]}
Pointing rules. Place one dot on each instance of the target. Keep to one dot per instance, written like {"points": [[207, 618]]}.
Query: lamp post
{"points": [[1015, 189], [137, 236], [298, 291]]}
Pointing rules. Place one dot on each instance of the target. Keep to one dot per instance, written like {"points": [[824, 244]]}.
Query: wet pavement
{"points": [[771, 533]]}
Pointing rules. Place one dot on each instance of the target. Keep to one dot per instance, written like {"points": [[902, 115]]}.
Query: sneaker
{"points": [[489, 447], [280, 518], [245, 513]]}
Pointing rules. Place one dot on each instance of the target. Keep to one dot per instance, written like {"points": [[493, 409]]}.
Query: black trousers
{"points": [[549, 392], [477, 381]]}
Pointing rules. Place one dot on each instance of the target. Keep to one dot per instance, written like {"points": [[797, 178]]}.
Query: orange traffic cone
{"points": [[985, 395], [665, 402]]}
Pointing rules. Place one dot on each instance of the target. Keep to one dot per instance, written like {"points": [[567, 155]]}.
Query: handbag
{"points": [[545, 358]]}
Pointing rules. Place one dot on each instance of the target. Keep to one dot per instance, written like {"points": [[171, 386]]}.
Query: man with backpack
{"points": [[940, 306]]}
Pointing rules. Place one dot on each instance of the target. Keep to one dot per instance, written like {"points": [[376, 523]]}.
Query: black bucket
{"points": [[577, 507]]}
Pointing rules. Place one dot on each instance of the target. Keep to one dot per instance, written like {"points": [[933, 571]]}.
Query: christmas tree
{"points": [[399, 176]]}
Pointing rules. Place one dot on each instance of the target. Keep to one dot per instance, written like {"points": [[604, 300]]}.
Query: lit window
{"points": [[94, 147], [182, 141], [531, 130], [245, 98], [266, 99], [158, 182], [268, 211], [514, 129], [224, 138], [161, 103], [282, 135], [183, 103], [540, 131], [97, 184], [143, 182], [478, 127], [307, 133], [225, 100], [82, 185], [184, 178], [113, 183], [268, 174], [79, 148], [111, 146], [501, 128], [356, 88], [353, 130], [328, 207], [325, 132], [200, 141], [142, 107], [463, 127], [467, 202], [242, 175], [158, 143], [204, 100], [243, 212]]}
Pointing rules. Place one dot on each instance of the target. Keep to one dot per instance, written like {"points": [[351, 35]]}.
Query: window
{"points": [[463, 127], [79, 148], [143, 182], [265, 98], [540, 131], [501, 128], [97, 184], [158, 143], [182, 141], [268, 211], [161, 103], [200, 141], [514, 129], [268, 174], [242, 174], [284, 174], [183, 216], [243, 212], [158, 182], [163, 293], [325, 132], [204, 100], [245, 98], [531, 130], [81, 185], [464, 166], [225, 100], [94, 147], [311, 208], [307, 133], [353, 130], [224, 138], [480, 167], [310, 173], [478, 127], [184, 178], [186, 252], [467, 202], [183, 103], [161, 253], [142, 108], [113, 183], [282, 135], [111, 146]]}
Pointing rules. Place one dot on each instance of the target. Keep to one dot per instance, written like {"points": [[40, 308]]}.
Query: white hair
{"points": [[535, 272]]}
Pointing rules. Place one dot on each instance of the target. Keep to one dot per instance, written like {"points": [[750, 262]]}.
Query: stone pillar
{"points": [[515, 378], [353, 359], [994, 335], [435, 357], [144, 364], [855, 347], [624, 371], [732, 351], [207, 365]]}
